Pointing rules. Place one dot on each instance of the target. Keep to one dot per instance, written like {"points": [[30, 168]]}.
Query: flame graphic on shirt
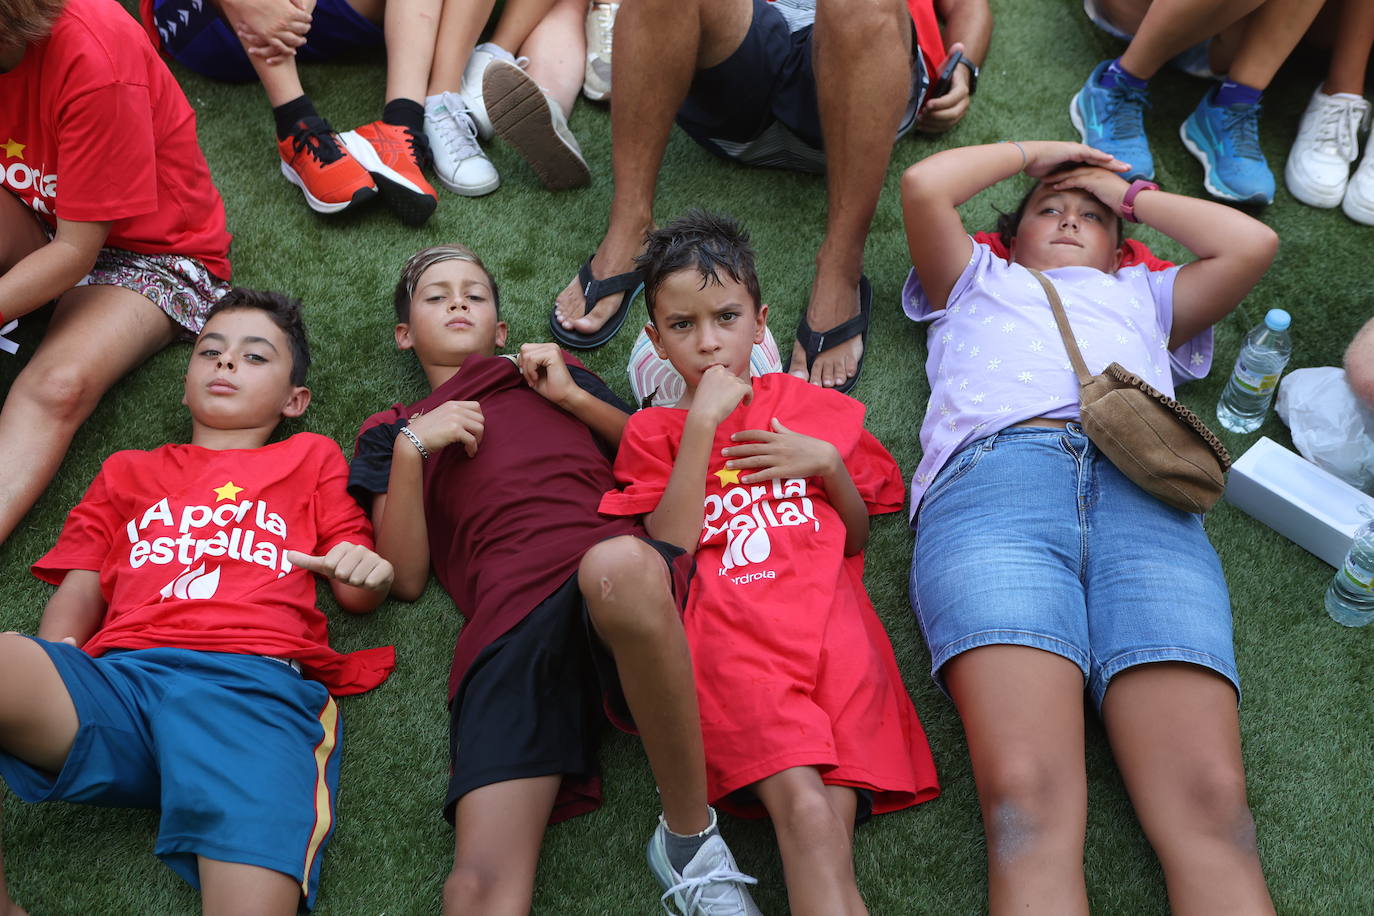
{"points": [[192, 583]]}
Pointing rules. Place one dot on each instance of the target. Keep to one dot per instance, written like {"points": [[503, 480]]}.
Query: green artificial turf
{"points": [[1309, 684]]}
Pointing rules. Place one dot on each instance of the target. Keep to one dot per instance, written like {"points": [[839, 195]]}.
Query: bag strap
{"points": [[1080, 368]]}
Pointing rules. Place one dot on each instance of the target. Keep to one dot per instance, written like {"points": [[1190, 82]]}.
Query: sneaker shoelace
{"points": [[1336, 130], [1126, 112], [605, 14], [456, 131], [1240, 123], [317, 138], [699, 888]]}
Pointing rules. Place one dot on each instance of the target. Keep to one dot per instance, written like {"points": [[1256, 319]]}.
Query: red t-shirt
{"points": [[93, 127], [510, 525], [793, 666], [191, 543]]}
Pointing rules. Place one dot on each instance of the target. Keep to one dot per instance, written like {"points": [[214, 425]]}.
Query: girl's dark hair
{"points": [[285, 313], [705, 242], [422, 261], [1008, 223]]}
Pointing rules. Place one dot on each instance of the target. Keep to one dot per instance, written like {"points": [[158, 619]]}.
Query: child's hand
{"points": [[1108, 187], [270, 30], [545, 371], [450, 422], [351, 564], [718, 393], [780, 454], [1043, 156]]}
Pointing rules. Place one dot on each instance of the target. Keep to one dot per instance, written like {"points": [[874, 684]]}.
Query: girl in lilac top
{"points": [[1039, 570]]}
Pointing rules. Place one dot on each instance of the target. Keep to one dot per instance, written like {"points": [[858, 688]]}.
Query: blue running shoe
{"points": [[1113, 120], [1225, 139]]}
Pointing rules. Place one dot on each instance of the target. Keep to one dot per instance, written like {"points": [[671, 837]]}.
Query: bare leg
{"points": [[97, 334], [1350, 55], [411, 28], [1023, 716], [1171, 26], [1271, 34], [281, 81], [235, 889], [37, 720], [1175, 731], [629, 599], [519, 18], [815, 841], [498, 830], [460, 24], [557, 51], [862, 58], [659, 45]]}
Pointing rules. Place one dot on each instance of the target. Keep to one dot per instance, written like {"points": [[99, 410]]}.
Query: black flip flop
{"points": [[593, 290], [813, 344]]}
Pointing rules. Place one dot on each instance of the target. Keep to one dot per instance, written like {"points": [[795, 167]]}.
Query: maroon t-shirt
{"points": [[510, 525]]}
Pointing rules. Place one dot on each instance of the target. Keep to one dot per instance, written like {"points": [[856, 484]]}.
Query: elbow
{"points": [[409, 587], [1265, 245], [914, 185]]}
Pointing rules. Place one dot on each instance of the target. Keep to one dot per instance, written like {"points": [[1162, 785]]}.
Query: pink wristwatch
{"points": [[1128, 199]]}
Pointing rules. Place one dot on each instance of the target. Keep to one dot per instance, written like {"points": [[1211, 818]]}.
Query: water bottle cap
{"points": [[1278, 320]]}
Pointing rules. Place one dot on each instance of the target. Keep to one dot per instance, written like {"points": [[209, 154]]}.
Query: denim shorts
{"points": [[1032, 537]]}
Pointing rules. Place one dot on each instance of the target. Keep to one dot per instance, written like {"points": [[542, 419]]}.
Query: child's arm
{"points": [[398, 515], [783, 453], [75, 610], [1233, 249], [679, 514], [358, 577], [49, 271], [934, 188], [545, 371]]}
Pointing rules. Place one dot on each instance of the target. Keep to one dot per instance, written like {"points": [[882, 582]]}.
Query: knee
{"points": [[1215, 802], [472, 887], [66, 394], [862, 21], [623, 580], [1029, 804], [807, 813]]}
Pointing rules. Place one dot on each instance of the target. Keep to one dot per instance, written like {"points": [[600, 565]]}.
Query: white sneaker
{"points": [[596, 81], [459, 163], [471, 90], [1327, 143], [1358, 202], [710, 885], [527, 118]]}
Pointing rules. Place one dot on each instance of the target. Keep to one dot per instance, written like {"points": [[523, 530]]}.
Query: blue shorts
{"points": [[239, 751], [1031, 537], [759, 105], [195, 35]]}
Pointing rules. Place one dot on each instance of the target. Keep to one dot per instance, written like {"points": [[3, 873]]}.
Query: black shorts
{"points": [[533, 701], [759, 105]]}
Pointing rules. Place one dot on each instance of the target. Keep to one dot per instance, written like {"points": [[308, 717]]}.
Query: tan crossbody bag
{"points": [[1154, 440]]}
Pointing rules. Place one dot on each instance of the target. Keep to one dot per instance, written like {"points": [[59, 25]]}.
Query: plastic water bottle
{"points": [[1256, 377], [1350, 597]]}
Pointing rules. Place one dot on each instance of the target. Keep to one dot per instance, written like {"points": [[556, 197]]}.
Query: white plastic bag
{"points": [[1330, 427]]}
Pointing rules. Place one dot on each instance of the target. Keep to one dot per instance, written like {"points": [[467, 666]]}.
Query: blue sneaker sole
{"points": [[1214, 185]]}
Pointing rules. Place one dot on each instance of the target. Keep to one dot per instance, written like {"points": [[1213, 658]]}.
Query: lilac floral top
{"points": [[995, 356]]}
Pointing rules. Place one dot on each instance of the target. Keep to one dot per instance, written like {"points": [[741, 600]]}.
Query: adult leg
{"points": [[659, 46], [1175, 731], [629, 599], [233, 889], [498, 830], [1350, 54], [97, 334], [557, 52], [1022, 710], [862, 59], [815, 841]]}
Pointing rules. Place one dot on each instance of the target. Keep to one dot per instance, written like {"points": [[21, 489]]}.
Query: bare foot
{"points": [[615, 256], [834, 300]]}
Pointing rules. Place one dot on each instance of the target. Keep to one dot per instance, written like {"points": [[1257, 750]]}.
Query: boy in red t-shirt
{"points": [[803, 711], [204, 685], [493, 479]]}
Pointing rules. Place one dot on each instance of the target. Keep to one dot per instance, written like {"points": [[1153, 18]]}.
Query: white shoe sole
{"points": [[522, 117], [469, 190], [1312, 195], [319, 206]]}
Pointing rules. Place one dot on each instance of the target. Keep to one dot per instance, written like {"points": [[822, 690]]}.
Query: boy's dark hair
{"points": [[28, 20], [422, 261], [285, 312], [1008, 223], [705, 242]]}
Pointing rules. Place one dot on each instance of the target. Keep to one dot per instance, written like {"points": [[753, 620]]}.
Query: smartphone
{"points": [[946, 75]]}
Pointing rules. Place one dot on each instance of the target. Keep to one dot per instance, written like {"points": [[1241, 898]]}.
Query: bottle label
{"points": [[1253, 382], [1357, 578]]}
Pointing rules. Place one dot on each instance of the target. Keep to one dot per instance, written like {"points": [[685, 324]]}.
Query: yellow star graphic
{"points": [[727, 475], [14, 149], [228, 491]]}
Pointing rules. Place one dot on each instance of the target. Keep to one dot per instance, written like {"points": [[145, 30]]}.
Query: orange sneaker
{"points": [[393, 155], [313, 160]]}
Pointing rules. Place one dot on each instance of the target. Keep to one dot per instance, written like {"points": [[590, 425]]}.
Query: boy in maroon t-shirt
{"points": [[494, 479]]}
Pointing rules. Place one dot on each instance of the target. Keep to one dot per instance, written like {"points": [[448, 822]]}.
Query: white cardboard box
{"points": [[1312, 508]]}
